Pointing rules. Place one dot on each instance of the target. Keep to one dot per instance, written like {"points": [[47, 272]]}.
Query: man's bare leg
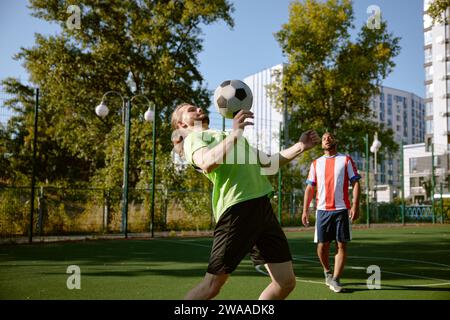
{"points": [[208, 288], [339, 259], [323, 252], [283, 281]]}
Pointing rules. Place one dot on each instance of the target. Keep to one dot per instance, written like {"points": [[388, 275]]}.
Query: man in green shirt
{"points": [[245, 219]]}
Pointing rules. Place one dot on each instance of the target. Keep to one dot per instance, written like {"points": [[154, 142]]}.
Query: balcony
{"points": [[417, 191]]}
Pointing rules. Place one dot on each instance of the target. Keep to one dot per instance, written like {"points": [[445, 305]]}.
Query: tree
{"points": [[437, 10], [5, 166], [54, 161], [329, 79], [152, 43]]}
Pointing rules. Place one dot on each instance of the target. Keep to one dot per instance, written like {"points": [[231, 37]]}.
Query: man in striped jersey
{"points": [[332, 174]]}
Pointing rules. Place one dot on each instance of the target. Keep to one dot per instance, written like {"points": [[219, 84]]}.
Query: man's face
{"points": [[190, 115], [328, 141]]}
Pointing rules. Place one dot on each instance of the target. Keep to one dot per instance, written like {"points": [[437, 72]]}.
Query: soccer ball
{"points": [[231, 97]]}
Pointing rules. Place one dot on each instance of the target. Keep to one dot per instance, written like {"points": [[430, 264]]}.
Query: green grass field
{"points": [[414, 263]]}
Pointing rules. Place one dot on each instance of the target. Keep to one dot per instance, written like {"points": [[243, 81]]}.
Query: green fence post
{"points": [[432, 183], [367, 182], [402, 183], [152, 205], [41, 208], [442, 205], [279, 182], [33, 166]]}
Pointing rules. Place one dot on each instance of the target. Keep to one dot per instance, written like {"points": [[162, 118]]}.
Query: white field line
{"points": [[309, 259]]}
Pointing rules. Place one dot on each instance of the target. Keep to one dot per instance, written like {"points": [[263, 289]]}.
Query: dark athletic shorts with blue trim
{"points": [[248, 227], [332, 225]]}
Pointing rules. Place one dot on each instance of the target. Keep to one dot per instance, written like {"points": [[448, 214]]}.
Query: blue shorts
{"points": [[332, 225]]}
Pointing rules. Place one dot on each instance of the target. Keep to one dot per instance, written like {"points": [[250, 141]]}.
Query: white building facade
{"points": [[404, 113], [265, 133], [401, 111], [418, 164]]}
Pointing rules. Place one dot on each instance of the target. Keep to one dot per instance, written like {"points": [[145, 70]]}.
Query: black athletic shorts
{"points": [[249, 227]]}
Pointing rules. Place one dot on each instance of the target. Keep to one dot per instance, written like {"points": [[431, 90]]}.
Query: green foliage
{"points": [[329, 79], [437, 9], [14, 216], [153, 44]]}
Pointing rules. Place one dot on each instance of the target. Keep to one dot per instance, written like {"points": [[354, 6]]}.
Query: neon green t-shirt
{"points": [[238, 179]]}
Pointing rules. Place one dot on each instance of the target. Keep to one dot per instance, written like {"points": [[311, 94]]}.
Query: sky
{"points": [[247, 48]]}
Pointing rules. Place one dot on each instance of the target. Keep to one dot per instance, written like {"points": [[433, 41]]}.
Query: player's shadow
{"points": [[347, 288]]}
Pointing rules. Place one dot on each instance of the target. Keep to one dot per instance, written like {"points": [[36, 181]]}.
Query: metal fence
{"points": [[292, 209], [63, 211], [5, 112]]}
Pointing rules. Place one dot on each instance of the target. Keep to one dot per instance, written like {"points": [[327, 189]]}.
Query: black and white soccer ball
{"points": [[231, 97]]}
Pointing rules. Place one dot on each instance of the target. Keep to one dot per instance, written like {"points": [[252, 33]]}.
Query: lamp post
{"points": [[102, 111], [150, 115], [374, 149]]}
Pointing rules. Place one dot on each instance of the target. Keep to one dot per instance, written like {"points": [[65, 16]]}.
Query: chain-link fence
{"points": [[5, 112], [292, 209], [63, 211]]}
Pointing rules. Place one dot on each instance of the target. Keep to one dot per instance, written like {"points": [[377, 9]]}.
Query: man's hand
{"points": [[309, 139], [354, 213], [305, 219], [239, 122]]}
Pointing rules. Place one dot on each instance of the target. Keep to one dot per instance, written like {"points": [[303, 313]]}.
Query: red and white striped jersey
{"points": [[331, 176]]}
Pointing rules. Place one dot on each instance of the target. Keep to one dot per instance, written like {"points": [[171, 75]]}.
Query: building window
{"points": [[448, 67], [428, 37], [429, 127], [429, 108], [429, 73], [428, 55], [427, 21], [429, 91], [412, 165]]}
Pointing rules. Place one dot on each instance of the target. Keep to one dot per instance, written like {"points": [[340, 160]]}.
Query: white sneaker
{"points": [[335, 285], [328, 278]]}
